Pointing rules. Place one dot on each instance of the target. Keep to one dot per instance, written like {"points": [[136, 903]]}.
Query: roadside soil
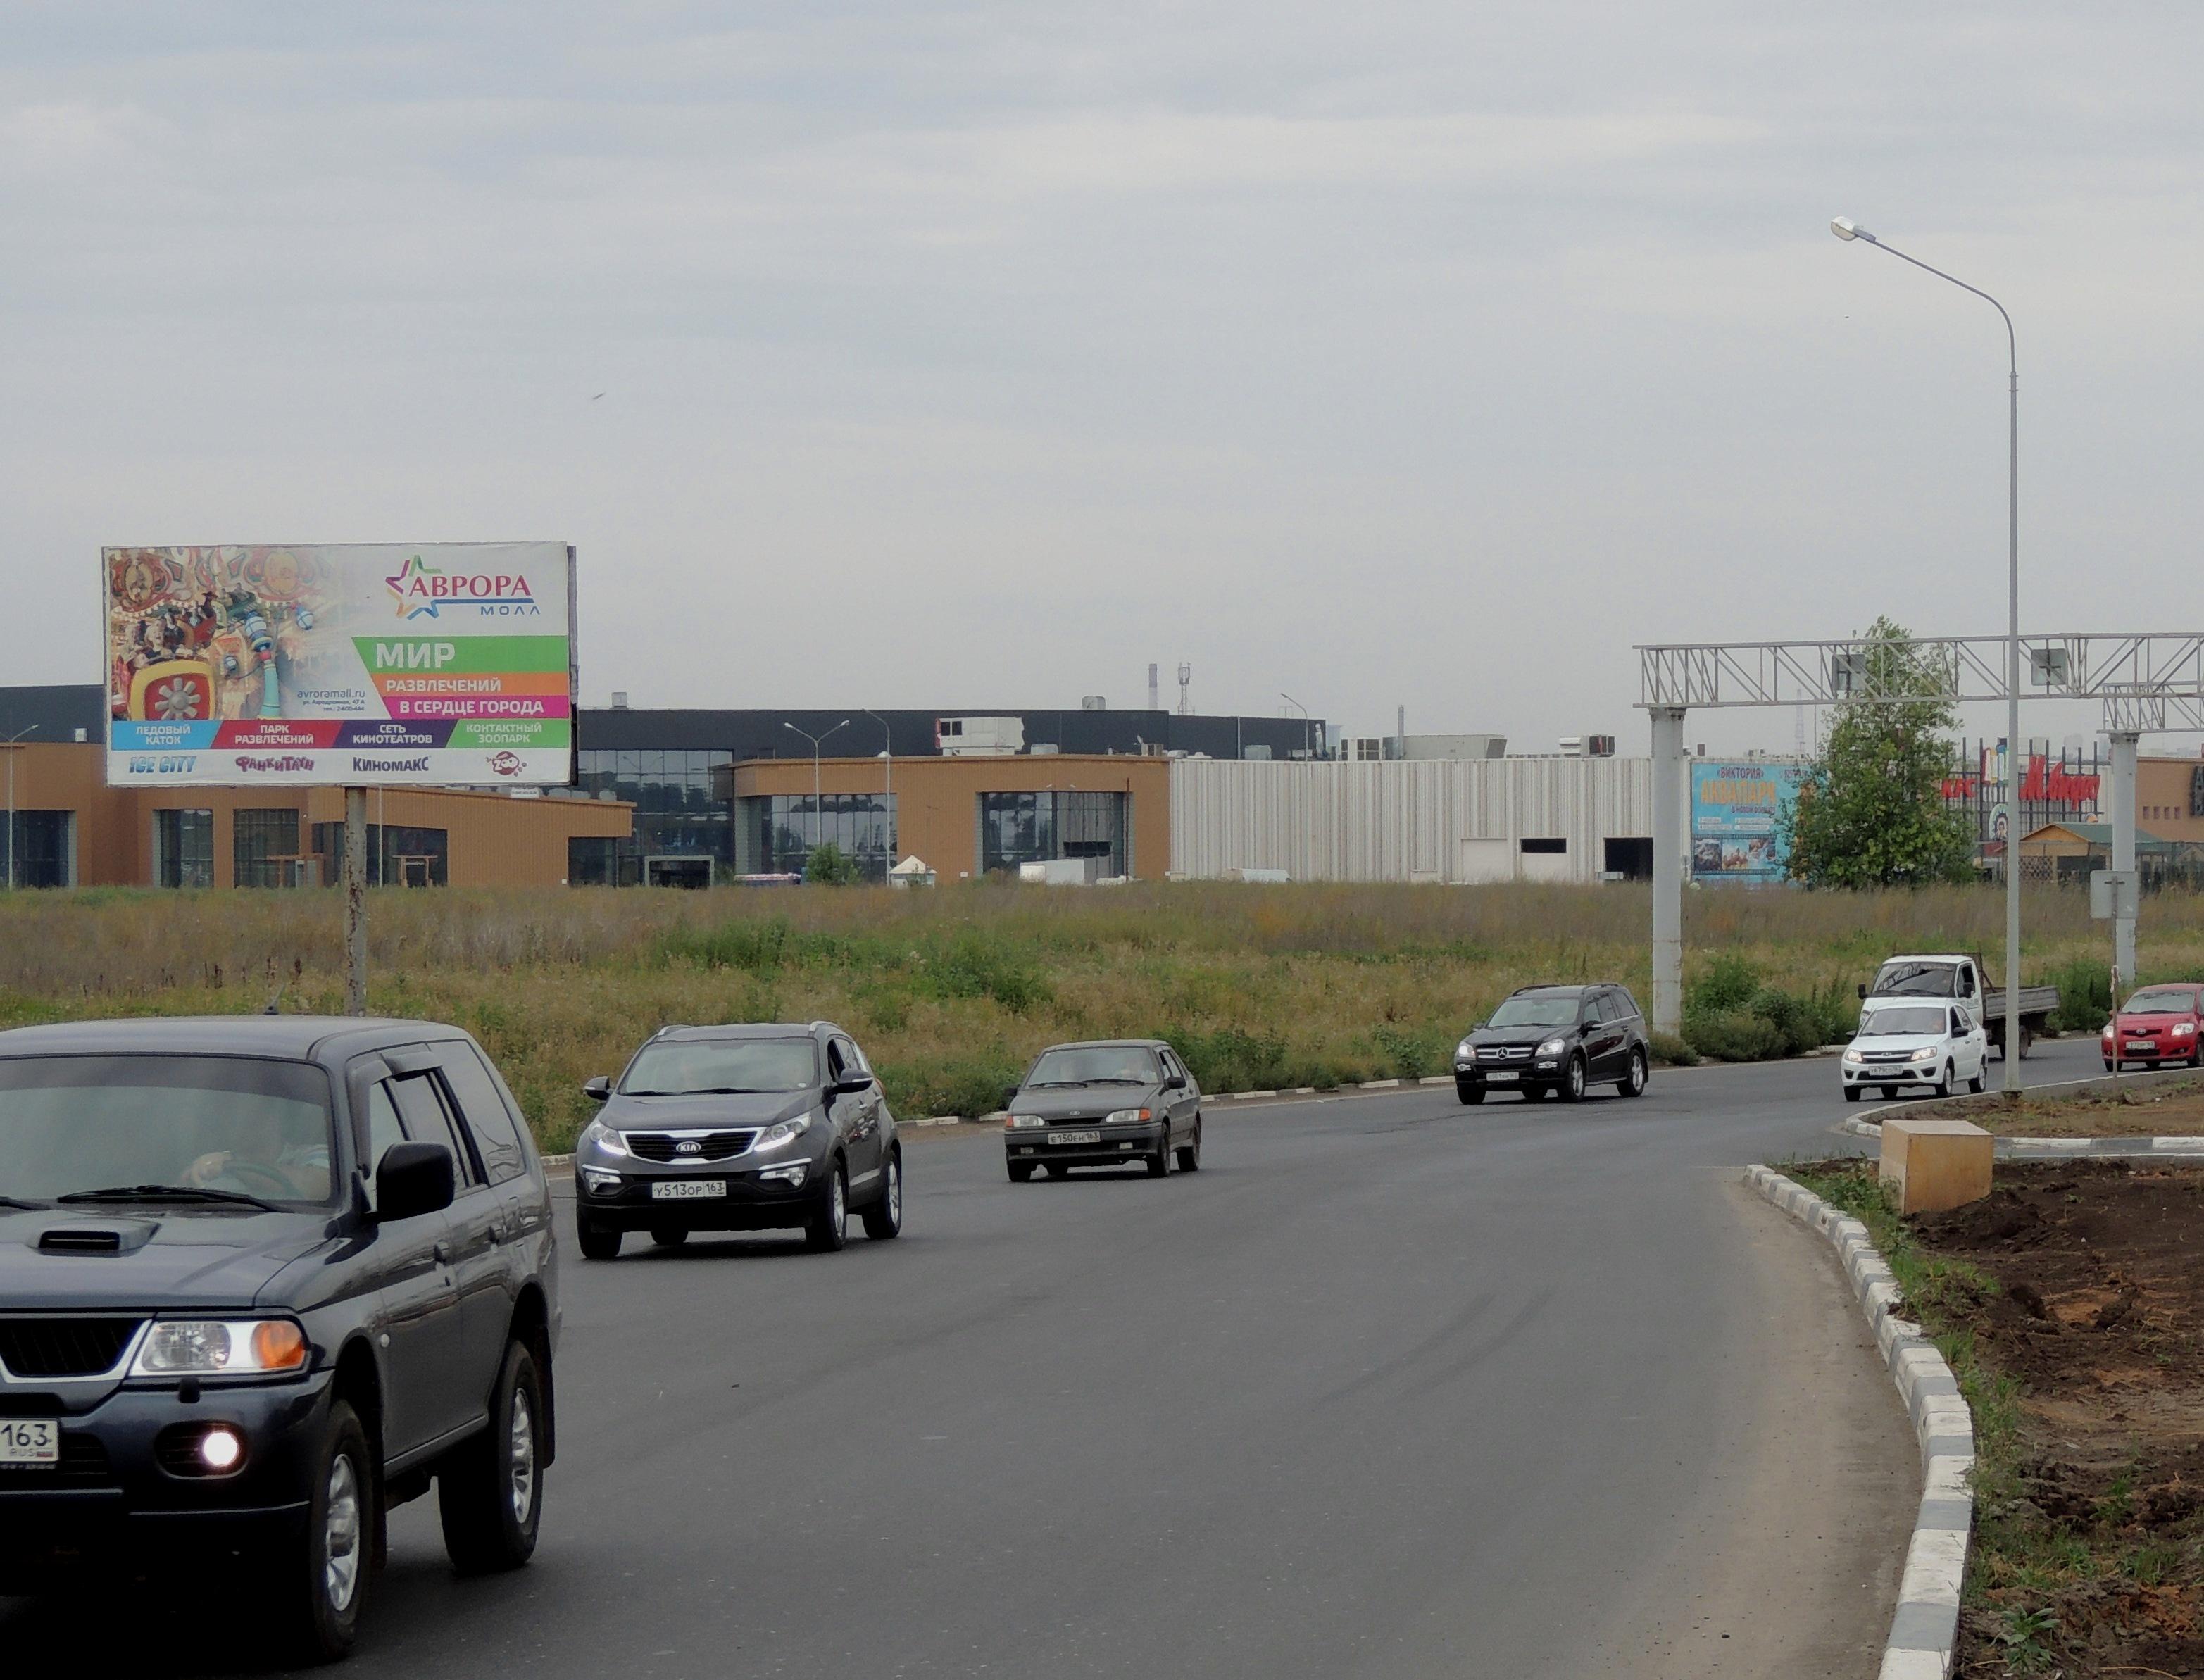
{"points": [[2083, 1285], [2174, 1109]]}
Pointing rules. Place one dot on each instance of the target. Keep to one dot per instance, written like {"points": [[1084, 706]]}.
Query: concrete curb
{"points": [[2067, 1148], [1925, 1628]]}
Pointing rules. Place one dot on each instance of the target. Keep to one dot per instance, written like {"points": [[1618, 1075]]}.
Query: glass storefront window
{"points": [[1017, 828], [265, 849], [778, 831], [183, 848], [39, 848]]}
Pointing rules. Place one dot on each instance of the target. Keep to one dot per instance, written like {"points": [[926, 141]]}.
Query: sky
{"points": [[977, 355]]}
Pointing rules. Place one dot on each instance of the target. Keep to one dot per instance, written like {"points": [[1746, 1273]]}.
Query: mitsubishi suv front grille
{"points": [[44, 1348]]}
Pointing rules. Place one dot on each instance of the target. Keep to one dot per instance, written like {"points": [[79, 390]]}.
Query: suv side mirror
{"points": [[411, 1179], [598, 1089], [1862, 990], [849, 1084]]}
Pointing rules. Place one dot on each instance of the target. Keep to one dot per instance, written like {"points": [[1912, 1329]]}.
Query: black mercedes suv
{"points": [[1110, 1103], [1557, 1039], [262, 1279], [739, 1128]]}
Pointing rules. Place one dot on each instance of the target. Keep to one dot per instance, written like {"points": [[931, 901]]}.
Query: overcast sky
{"points": [[956, 356]]}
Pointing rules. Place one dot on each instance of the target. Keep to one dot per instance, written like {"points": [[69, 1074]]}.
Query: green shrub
{"points": [[2085, 993], [970, 1085], [1407, 1055], [1231, 1059], [829, 866], [978, 964], [1672, 1051], [1735, 1035], [758, 946], [1728, 984]]}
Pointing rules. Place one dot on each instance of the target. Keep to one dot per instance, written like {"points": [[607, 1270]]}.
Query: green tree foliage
{"points": [[830, 866], [1872, 813]]}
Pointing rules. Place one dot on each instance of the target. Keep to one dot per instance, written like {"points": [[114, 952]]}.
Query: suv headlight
{"points": [[1127, 1117], [220, 1347], [1026, 1122], [1465, 1050], [774, 1137], [600, 1137], [1553, 1047]]}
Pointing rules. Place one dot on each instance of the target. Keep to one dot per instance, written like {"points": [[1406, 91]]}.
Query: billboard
{"points": [[354, 663], [1734, 811]]}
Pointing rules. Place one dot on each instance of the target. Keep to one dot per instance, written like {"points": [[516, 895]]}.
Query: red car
{"points": [[2161, 1024]]}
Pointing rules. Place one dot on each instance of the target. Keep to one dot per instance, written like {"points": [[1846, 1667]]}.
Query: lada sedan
{"points": [[260, 1281], [739, 1128], [1114, 1103]]}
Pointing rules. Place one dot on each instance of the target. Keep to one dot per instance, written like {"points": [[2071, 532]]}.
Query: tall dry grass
{"points": [[953, 989]]}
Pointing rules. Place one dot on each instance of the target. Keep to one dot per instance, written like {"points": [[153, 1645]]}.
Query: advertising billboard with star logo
{"points": [[341, 664]]}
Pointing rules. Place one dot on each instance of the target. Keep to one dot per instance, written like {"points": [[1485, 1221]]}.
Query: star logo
{"points": [[411, 589]]}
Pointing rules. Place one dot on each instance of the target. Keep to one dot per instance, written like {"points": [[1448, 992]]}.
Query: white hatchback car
{"points": [[1908, 1044]]}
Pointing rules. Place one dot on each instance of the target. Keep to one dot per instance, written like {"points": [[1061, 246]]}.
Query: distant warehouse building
{"points": [[1458, 821]]}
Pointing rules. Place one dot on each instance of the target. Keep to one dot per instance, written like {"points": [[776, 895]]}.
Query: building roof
{"points": [[2099, 834]]}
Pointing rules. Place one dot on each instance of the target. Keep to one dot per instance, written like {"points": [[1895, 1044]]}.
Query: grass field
{"points": [[951, 991]]}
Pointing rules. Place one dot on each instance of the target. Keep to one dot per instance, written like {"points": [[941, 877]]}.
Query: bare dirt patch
{"points": [[2082, 1285], [2176, 1109]]}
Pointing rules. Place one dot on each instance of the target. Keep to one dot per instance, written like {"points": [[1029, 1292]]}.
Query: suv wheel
{"points": [[828, 1227], [490, 1492], [1572, 1088], [1189, 1155], [1632, 1084], [321, 1592], [1467, 1093], [669, 1236], [883, 1219], [597, 1243]]}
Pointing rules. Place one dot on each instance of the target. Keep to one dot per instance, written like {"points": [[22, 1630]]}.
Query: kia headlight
{"points": [[601, 1138], [220, 1347], [786, 1133], [1553, 1046], [1127, 1117]]}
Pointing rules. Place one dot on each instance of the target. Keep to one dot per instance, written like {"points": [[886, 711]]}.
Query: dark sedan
{"points": [[260, 1281], [739, 1128], [1105, 1104], [1558, 1038]]}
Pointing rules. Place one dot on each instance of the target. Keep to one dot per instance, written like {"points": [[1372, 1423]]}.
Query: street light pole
{"points": [[818, 815], [1845, 229], [888, 735], [12, 740], [1308, 751]]}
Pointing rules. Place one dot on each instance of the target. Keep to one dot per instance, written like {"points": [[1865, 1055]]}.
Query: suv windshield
{"points": [[1096, 1064], [1889, 1023], [1535, 1012], [2160, 1004], [690, 1067], [203, 1127]]}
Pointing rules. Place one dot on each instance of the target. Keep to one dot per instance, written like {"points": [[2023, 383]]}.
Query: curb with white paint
{"points": [[1925, 1628], [2065, 1148]]}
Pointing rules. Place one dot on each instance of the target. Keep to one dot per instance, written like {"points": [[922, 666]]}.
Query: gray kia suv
{"points": [[739, 1128]]}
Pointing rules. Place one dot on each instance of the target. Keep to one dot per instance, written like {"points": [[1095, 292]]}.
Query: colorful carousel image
{"points": [[196, 635]]}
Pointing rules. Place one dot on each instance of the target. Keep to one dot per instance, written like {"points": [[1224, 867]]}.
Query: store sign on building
{"points": [[1737, 808], [440, 664]]}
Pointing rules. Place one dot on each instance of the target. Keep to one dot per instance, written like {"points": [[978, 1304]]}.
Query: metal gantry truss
{"points": [[2147, 680]]}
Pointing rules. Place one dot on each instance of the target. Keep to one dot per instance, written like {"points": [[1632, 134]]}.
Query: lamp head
{"points": [[1845, 228]]}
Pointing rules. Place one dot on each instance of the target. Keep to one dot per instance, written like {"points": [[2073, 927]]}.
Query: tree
{"points": [[1871, 812], [830, 866]]}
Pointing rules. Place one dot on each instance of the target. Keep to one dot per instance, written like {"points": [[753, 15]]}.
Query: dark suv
{"points": [[739, 1128], [1110, 1103], [262, 1279], [1559, 1038]]}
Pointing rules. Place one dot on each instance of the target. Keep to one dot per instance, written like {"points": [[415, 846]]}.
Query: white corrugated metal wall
{"points": [[1405, 820]]}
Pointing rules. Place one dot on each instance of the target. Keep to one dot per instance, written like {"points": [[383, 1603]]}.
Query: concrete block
{"points": [[1936, 1164]]}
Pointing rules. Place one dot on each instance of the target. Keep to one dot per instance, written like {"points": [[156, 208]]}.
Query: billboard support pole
{"points": [[1671, 860], [355, 891]]}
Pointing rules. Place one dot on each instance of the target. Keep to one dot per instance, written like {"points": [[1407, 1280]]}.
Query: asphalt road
{"points": [[1392, 1388]]}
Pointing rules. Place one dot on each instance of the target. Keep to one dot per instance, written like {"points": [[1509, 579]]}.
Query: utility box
{"points": [[1931, 1165]]}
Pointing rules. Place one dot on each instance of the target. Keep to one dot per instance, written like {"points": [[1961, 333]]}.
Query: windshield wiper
{"points": [[1120, 1079], [167, 1192], [26, 1207]]}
